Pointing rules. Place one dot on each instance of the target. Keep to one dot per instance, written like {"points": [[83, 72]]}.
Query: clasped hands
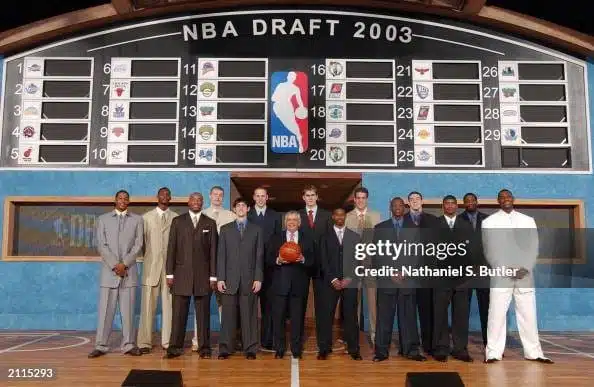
{"points": [[256, 286], [121, 270], [280, 261], [340, 284]]}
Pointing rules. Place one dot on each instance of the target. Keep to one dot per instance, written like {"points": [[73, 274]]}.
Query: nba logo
{"points": [[288, 113]]}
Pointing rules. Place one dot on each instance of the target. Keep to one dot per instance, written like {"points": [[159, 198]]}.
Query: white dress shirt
{"points": [[315, 211], [260, 210], [450, 220], [340, 235]]}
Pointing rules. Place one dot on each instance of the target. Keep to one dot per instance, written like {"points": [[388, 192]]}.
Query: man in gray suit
{"points": [[240, 261], [119, 241]]}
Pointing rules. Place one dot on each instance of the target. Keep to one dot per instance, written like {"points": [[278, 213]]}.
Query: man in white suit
{"points": [[221, 216], [157, 223], [510, 240], [362, 220]]}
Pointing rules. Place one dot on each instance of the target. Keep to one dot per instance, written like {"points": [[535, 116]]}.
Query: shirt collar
{"points": [[359, 213], [337, 229], [260, 210], [160, 211], [314, 209], [122, 213], [196, 215], [244, 221]]}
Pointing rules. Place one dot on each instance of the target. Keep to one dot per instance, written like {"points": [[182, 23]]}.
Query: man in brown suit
{"points": [[191, 267]]}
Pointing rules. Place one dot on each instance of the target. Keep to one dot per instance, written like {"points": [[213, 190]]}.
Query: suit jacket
{"points": [[511, 240], [270, 223], [119, 246], [371, 219], [191, 255], [156, 238], [224, 217], [291, 278], [456, 257], [240, 261], [409, 233], [478, 253], [338, 261], [322, 223]]}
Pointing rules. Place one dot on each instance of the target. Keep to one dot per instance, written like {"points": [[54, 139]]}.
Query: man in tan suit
{"points": [[221, 216], [362, 220], [156, 236]]}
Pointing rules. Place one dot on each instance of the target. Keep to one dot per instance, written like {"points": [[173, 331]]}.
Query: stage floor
{"points": [[66, 352]]}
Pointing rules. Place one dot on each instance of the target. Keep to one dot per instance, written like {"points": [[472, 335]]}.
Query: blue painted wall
{"points": [[64, 295]]}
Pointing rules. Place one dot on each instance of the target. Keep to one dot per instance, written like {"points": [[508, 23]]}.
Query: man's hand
{"points": [[256, 286], [170, 282], [345, 283], [121, 270], [301, 259], [220, 286], [521, 273], [336, 284], [280, 261]]}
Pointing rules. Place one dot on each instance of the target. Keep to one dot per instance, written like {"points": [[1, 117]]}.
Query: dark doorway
{"points": [[285, 189]]}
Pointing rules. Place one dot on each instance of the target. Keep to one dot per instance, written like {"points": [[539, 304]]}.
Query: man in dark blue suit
{"points": [[482, 284], [270, 222]]}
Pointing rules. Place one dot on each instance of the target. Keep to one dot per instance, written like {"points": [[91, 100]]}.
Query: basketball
{"points": [[290, 251], [301, 113]]}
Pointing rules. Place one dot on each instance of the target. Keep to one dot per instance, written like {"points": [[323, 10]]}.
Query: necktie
{"points": [[195, 220], [260, 214], [361, 223], [473, 219], [310, 218], [292, 237], [397, 228], [340, 236], [120, 233], [451, 223], [163, 220], [241, 229]]}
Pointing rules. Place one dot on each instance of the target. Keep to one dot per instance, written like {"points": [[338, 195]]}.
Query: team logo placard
{"points": [[31, 109], [207, 90], [289, 122], [335, 69], [508, 71], [206, 133], [336, 133], [510, 113], [29, 132], [207, 68], [336, 112], [120, 89], [510, 136], [207, 111], [423, 92], [206, 155], [117, 132], [120, 68], [421, 70], [424, 156], [118, 111], [335, 155], [423, 134], [508, 92], [34, 68], [117, 154], [28, 154], [423, 112], [335, 90]]}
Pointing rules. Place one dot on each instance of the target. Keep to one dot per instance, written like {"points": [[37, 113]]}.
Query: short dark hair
{"points": [[122, 191], [338, 209], [309, 187], [470, 194], [164, 189], [240, 200], [361, 190], [449, 197], [395, 198], [505, 190], [217, 187], [414, 193]]}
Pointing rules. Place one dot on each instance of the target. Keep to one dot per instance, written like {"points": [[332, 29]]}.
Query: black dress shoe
{"points": [[356, 356], [542, 360], [250, 356], [440, 357], [223, 356], [279, 355], [377, 359], [205, 355], [96, 353], [134, 352], [465, 357], [491, 361], [145, 350], [297, 356], [417, 357], [323, 355]]}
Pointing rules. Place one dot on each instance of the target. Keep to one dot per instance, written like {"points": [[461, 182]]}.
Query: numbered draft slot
{"points": [[360, 112], [143, 111], [447, 114], [55, 113], [535, 121]]}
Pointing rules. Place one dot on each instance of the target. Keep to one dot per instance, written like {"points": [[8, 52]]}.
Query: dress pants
{"points": [[293, 305], [108, 301], [482, 297], [181, 306], [148, 307], [459, 299], [266, 298], [525, 300], [247, 305], [350, 321]]}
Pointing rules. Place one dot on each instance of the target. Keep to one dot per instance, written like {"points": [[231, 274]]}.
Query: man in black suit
{"points": [[452, 230], [240, 262], [337, 250], [271, 223], [426, 223], [290, 284], [317, 222], [398, 290], [191, 271], [482, 288]]}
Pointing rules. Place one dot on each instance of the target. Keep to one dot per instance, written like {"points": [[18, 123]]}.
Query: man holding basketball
{"points": [[290, 284]]}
